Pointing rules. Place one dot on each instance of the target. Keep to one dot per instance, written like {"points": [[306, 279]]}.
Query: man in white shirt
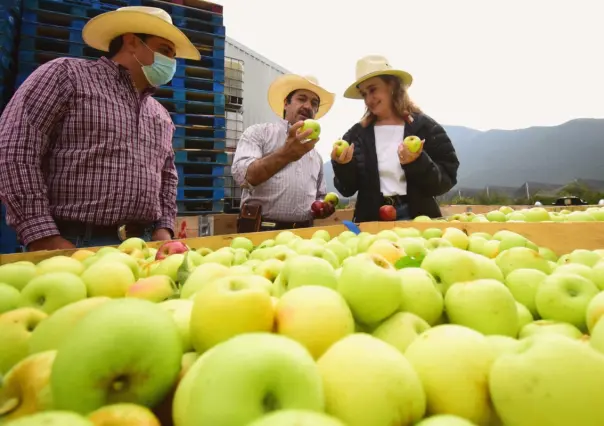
{"points": [[280, 172]]}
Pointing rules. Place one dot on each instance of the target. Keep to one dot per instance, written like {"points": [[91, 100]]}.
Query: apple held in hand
{"points": [[169, 248], [332, 198], [341, 146], [310, 124], [387, 213], [413, 143], [318, 208]]}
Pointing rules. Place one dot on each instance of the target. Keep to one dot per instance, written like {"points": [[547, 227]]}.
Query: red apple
{"points": [[387, 212], [170, 247], [318, 208]]}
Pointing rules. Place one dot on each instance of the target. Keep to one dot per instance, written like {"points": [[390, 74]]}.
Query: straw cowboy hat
{"points": [[372, 66], [285, 84], [100, 30]]}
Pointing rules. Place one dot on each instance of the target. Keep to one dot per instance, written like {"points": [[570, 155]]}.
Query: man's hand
{"points": [[56, 242], [161, 234], [405, 156], [296, 144], [322, 210]]}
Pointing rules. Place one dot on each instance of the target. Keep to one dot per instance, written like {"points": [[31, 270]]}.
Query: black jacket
{"points": [[433, 173]]}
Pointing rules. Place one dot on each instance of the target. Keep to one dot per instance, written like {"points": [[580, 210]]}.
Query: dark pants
{"points": [[402, 211]]}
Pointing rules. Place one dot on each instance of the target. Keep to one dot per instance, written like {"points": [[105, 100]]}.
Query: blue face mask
{"points": [[161, 71]]}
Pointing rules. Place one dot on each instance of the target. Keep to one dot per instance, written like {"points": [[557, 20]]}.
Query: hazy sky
{"points": [[477, 63]]}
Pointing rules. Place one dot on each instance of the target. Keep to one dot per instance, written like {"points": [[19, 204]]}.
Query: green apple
{"points": [[229, 306], [123, 414], [129, 261], [501, 345], [422, 218], [203, 273], [181, 310], [371, 287], [26, 389], [242, 243], [10, 298], [306, 270], [132, 244], [419, 294], [111, 279], [550, 327], [434, 243], [277, 374], [485, 305], [298, 418], [17, 274], [456, 237], [496, 216], [315, 316], [432, 233], [524, 283], [537, 214], [126, 350], [596, 340], [340, 145], [16, 328], [445, 420], [341, 250], [390, 234], [565, 297], [549, 254], [521, 258], [49, 334], [453, 363], [524, 316], [53, 418], [310, 124], [413, 143], [316, 249], [390, 250], [401, 329], [595, 310], [60, 264], [170, 265], [156, 288], [584, 257], [576, 268], [347, 235], [284, 237], [413, 246], [332, 198], [280, 252], [550, 380], [509, 239], [53, 290], [449, 265], [321, 234], [369, 382], [269, 269], [106, 250]]}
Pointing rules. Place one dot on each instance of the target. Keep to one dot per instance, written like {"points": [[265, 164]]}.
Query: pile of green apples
{"points": [[403, 327], [532, 214]]}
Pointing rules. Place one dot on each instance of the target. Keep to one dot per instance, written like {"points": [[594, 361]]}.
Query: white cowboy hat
{"points": [[285, 84], [100, 30], [372, 66]]}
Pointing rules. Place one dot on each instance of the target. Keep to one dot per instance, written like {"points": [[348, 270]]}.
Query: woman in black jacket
{"points": [[377, 164]]}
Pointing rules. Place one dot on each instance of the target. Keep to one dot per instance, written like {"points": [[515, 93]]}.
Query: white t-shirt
{"points": [[392, 177]]}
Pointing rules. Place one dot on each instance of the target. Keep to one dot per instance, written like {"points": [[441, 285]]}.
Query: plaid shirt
{"points": [[79, 143]]}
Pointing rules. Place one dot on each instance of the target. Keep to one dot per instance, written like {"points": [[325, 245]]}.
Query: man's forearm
{"points": [[265, 168]]}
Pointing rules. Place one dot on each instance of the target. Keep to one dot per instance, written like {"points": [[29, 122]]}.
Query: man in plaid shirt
{"points": [[85, 151]]}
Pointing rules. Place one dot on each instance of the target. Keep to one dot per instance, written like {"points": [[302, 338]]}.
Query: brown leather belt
{"points": [[268, 224], [126, 230]]}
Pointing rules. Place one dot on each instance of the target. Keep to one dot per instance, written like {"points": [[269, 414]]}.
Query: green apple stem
{"points": [[9, 405]]}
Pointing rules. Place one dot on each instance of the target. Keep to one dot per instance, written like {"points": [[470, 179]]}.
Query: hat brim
{"points": [[284, 85], [100, 30], [353, 91]]}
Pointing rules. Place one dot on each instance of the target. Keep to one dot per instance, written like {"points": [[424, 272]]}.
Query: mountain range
{"points": [[509, 158]]}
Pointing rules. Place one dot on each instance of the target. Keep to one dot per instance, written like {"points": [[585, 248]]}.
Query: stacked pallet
{"points": [[194, 98], [234, 128], [10, 11]]}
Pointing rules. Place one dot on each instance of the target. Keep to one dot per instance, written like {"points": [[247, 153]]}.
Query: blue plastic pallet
{"points": [[196, 193], [178, 10], [192, 107], [198, 143], [206, 132], [199, 170], [194, 157], [194, 83], [203, 182], [56, 46], [199, 206], [215, 122], [8, 237]]}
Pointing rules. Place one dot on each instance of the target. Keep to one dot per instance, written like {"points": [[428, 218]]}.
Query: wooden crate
{"points": [[560, 237]]}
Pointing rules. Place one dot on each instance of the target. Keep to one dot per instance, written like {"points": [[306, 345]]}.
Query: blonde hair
{"points": [[401, 102]]}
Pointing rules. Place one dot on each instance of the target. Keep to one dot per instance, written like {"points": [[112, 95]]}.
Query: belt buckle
{"points": [[122, 234]]}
